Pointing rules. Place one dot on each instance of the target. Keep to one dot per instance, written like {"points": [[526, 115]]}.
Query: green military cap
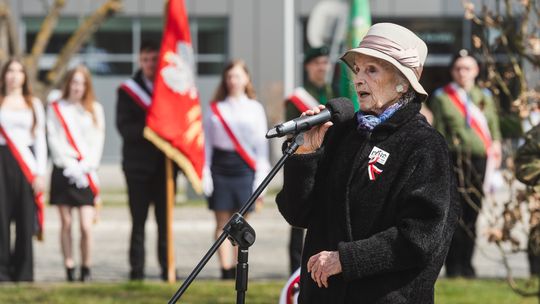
{"points": [[313, 53]]}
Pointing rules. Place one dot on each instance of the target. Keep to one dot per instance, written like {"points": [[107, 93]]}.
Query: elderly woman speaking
{"points": [[376, 193]]}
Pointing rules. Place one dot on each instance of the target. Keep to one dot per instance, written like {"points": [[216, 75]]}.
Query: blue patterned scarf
{"points": [[367, 122]]}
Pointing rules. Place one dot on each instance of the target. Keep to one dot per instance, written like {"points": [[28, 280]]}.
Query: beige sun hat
{"points": [[397, 45]]}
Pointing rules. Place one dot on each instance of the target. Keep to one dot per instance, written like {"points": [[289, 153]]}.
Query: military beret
{"points": [[313, 53]]}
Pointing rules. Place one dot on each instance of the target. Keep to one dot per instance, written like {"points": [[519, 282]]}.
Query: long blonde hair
{"points": [[222, 91], [89, 96], [26, 88]]}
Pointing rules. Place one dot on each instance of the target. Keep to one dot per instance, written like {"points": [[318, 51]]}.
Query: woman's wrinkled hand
{"points": [[323, 265], [314, 137]]}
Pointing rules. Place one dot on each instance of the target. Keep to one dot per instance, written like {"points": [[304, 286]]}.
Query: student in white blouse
{"points": [[23, 162], [236, 152], [76, 132]]}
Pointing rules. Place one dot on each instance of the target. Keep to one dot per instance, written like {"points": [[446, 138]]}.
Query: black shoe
{"points": [[135, 275], [85, 274], [453, 271], [469, 273], [228, 274], [70, 274]]}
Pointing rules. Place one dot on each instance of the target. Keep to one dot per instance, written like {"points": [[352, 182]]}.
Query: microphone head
{"points": [[342, 109]]}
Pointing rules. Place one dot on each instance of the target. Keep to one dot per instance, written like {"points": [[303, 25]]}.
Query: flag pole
{"points": [[171, 267], [288, 47]]}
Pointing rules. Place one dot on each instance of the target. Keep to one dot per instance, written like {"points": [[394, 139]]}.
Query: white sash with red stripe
{"points": [[240, 144], [302, 100], [139, 95], [478, 121], [74, 138], [28, 164]]}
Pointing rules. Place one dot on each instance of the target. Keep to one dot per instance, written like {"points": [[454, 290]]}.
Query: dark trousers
{"points": [[142, 193], [16, 206], [471, 177], [533, 258], [296, 243]]}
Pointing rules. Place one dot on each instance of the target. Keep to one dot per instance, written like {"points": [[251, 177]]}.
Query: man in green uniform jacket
{"points": [[315, 91], [466, 116]]}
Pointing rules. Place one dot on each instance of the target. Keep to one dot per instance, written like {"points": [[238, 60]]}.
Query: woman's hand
{"points": [[323, 265], [259, 202], [97, 209], [207, 182], [38, 185], [314, 137], [495, 152]]}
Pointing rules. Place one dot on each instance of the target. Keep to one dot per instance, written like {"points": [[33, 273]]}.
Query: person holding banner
{"points": [[466, 116], [142, 162], [376, 191], [236, 152], [23, 164], [76, 133], [314, 92]]}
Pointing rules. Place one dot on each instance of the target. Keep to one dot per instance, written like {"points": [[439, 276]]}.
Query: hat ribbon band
{"points": [[406, 57]]}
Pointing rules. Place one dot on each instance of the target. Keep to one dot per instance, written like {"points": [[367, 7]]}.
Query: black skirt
{"points": [[64, 193], [233, 181]]}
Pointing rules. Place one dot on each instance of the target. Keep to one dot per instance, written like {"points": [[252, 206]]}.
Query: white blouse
{"points": [[250, 120], [18, 123], [92, 134]]}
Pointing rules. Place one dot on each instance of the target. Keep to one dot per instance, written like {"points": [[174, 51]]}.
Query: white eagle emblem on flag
{"points": [[178, 73]]}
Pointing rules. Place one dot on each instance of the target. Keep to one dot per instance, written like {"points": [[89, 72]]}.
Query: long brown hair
{"points": [[89, 96], [222, 91], [26, 88]]}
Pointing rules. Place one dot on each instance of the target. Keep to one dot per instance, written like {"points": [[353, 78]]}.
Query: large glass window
{"points": [[211, 45], [111, 50]]}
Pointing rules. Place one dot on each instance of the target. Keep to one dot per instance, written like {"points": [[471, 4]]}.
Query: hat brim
{"points": [[348, 58]]}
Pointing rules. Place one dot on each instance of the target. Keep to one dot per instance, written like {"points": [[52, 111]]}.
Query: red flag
{"points": [[174, 120]]}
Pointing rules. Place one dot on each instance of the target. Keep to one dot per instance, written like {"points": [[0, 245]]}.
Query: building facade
{"points": [[252, 30]]}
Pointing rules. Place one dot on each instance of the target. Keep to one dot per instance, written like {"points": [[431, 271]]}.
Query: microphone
{"points": [[337, 110]]}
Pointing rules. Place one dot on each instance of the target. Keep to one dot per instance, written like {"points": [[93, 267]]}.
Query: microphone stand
{"points": [[240, 233]]}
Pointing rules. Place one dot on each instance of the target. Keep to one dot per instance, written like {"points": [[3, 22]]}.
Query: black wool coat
{"points": [[141, 160], [392, 233]]}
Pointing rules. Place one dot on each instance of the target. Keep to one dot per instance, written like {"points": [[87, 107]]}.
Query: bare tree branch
{"points": [[4, 42], [13, 37], [73, 45], [44, 35]]}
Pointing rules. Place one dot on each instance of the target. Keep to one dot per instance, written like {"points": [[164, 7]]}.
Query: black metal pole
{"points": [[295, 142], [242, 275]]}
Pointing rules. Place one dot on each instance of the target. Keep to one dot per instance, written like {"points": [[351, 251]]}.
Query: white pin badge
{"points": [[377, 156]]}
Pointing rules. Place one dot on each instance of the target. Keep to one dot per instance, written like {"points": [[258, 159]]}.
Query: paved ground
{"points": [[193, 230]]}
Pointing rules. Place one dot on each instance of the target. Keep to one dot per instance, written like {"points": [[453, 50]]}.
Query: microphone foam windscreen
{"points": [[341, 108]]}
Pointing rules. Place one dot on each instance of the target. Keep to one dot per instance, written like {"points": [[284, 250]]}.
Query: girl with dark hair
{"points": [[23, 162], [76, 131], [236, 151]]}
